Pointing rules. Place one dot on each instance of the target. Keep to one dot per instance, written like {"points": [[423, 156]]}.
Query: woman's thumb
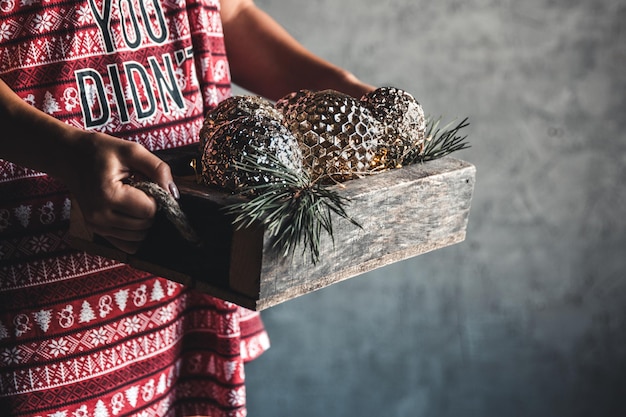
{"points": [[156, 170]]}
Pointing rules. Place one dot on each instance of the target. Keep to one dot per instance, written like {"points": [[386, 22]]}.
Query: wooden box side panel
{"points": [[403, 213]]}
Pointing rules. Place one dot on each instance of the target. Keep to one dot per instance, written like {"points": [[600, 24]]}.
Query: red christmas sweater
{"points": [[82, 335]]}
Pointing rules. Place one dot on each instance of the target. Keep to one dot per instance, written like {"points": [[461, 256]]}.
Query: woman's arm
{"points": [[92, 165], [268, 61]]}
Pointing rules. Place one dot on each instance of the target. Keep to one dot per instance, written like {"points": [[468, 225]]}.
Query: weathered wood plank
{"points": [[403, 213]]}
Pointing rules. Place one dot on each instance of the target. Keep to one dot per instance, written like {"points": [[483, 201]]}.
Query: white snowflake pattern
{"points": [[113, 124], [99, 336], [39, 244], [166, 314], [5, 31], [58, 347], [28, 2], [132, 325], [83, 14], [59, 414], [11, 356], [211, 95], [237, 397], [42, 22], [177, 112]]}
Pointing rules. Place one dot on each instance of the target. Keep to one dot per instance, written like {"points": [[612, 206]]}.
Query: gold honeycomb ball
{"points": [[233, 108], [338, 137], [257, 135], [403, 120]]}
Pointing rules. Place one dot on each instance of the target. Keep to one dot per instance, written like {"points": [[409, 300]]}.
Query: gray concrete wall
{"points": [[527, 317]]}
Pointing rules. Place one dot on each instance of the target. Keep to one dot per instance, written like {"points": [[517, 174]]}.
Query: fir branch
{"points": [[440, 141], [293, 209]]}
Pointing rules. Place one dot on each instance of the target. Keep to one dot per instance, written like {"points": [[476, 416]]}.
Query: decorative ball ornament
{"points": [[403, 119], [339, 138], [256, 136], [233, 108]]}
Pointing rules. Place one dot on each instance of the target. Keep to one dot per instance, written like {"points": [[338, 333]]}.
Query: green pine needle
{"points": [[293, 209], [440, 141]]}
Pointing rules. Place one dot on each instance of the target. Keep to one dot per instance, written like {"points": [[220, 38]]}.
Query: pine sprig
{"points": [[440, 141], [293, 209]]}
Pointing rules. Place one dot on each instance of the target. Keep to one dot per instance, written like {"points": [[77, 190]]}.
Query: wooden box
{"points": [[403, 213]]}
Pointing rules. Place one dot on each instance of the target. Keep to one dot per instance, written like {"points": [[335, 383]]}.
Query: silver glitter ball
{"points": [[403, 120], [257, 135]]}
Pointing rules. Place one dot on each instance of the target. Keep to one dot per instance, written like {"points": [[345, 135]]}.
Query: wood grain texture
{"points": [[402, 213]]}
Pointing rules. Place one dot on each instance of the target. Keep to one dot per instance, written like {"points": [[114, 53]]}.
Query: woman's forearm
{"points": [[31, 137], [267, 60]]}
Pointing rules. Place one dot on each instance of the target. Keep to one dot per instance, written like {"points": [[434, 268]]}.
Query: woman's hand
{"points": [[98, 174]]}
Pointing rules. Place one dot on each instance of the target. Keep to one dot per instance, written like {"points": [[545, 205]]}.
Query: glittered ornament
{"points": [[233, 108], [403, 120], [228, 145], [338, 136]]}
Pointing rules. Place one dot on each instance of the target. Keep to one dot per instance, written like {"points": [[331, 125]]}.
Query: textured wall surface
{"points": [[527, 317]]}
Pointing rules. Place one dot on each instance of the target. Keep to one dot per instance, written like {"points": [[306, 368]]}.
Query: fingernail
{"points": [[174, 190]]}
